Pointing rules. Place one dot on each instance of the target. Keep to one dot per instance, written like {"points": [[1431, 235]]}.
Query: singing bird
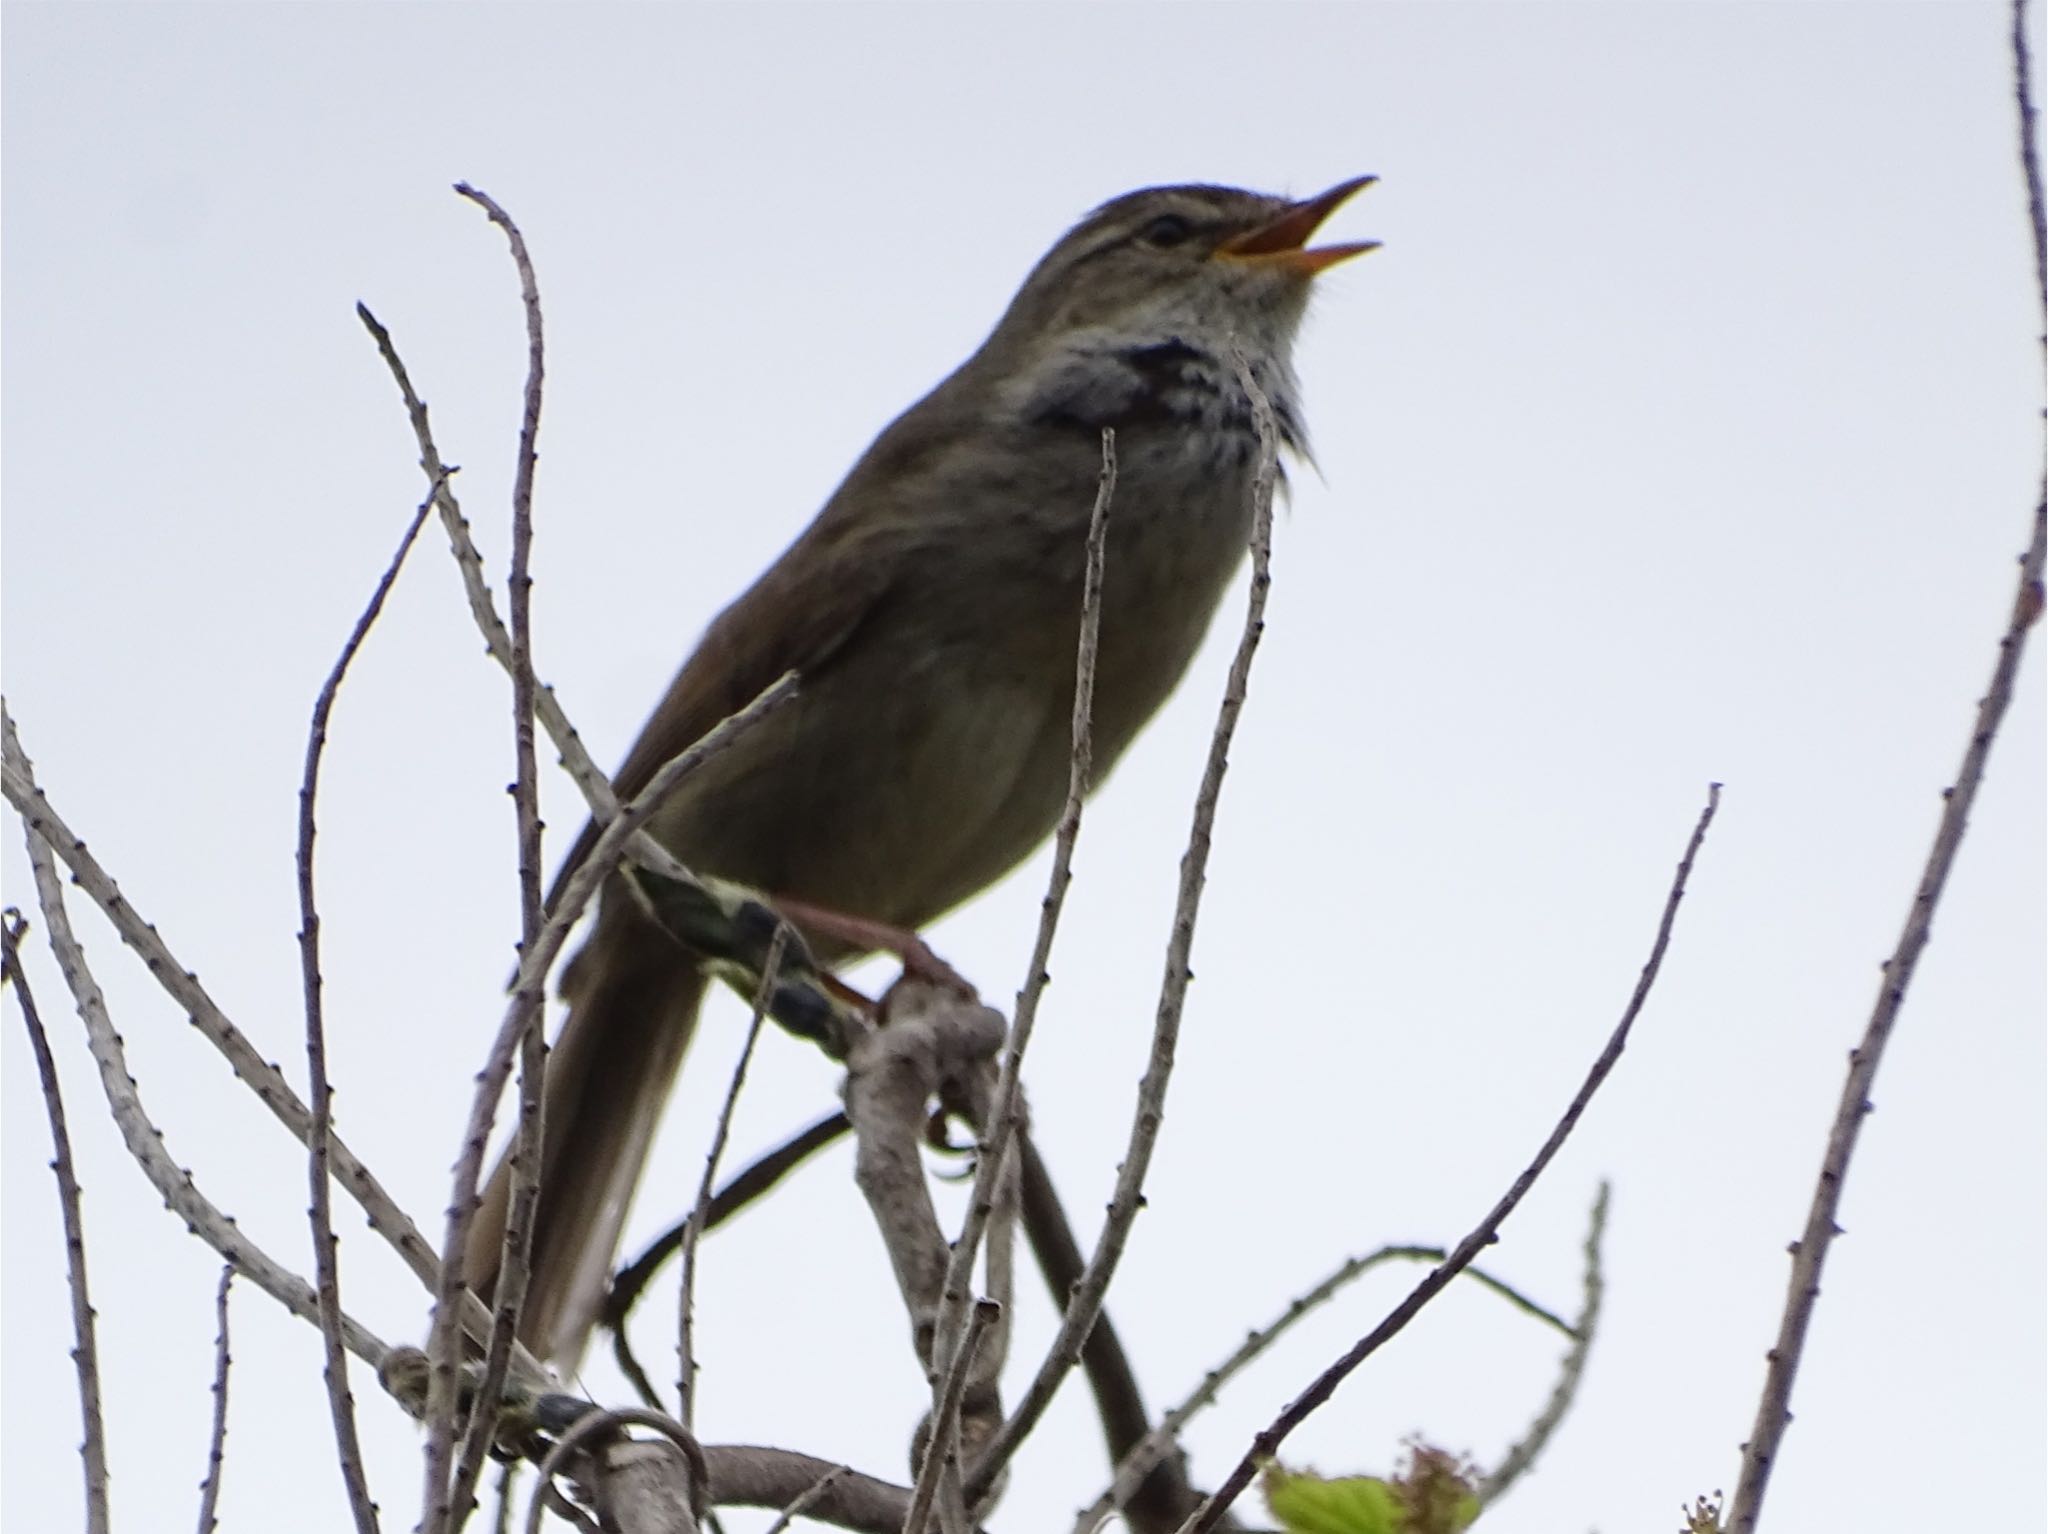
{"points": [[931, 613]]}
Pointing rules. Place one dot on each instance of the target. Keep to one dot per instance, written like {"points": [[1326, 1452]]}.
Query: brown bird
{"points": [[931, 612]]}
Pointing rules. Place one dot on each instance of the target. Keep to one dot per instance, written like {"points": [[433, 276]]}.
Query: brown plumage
{"points": [[931, 611]]}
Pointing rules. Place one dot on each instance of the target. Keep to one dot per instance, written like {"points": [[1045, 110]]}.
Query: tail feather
{"points": [[633, 1001]]}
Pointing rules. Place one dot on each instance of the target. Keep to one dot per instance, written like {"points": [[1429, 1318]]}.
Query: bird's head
{"points": [[1204, 260]]}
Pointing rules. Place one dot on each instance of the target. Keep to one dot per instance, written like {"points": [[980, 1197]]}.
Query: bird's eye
{"points": [[1166, 230]]}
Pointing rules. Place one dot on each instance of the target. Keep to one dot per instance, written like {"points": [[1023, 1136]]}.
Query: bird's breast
{"points": [[930, 753]]}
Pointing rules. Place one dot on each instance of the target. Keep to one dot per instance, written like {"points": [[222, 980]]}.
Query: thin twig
{"points": [[629, 1365], [1004, 1122], [757, 1179], [596, 787], [326, 1249], [1523, 1455], [519, 584], [1165, 1496], [85, 1355], [182, 985], [144, 1140], [2030, 148], [516, 1247], [686, 1352], [941, 1446], [1140, 1459], [501, 1523], [1483, 1234], [999, 1275], [801, 1504], [1085, 1303], [1810, 1251], [217, 1435]]}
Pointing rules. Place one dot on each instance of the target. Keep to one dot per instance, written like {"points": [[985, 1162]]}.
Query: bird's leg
{"points": [[864, 936]]}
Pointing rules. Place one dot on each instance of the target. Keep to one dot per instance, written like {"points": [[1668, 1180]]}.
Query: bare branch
{"points": [[686, 1354], [144, 1140], [595, 785], [1004, 1122], [934, 1043], [1810, 1251], [1325, 1384], [217, 1435], [1164, 1497], [520, 582], [85, 1355], [611, 845], [272, 1090], [515, 1253], [999, 1263], [941, 1460], [2030, 148], [1524, 1454], [1085, 1304], [326, 1250], [891, 1074], [502, 1522]]}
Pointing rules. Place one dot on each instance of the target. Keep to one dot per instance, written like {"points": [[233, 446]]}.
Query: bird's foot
{"points": [[864, 936]]}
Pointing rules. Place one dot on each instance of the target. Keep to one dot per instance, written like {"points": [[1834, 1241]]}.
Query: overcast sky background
{"points": [[1686, 429]]}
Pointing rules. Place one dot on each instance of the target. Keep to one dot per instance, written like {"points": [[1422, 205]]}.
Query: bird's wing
{"points": [[796, 617]]}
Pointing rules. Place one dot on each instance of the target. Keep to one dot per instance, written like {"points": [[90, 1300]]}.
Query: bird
{"points": [[931, 612]]}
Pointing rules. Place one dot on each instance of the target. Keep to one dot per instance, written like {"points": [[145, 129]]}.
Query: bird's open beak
{"points": [[1284, 240]]}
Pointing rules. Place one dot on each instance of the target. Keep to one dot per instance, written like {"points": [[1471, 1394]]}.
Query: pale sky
{"points": [[1685, 429]]}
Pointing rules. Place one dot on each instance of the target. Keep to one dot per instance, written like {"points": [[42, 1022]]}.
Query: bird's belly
{"points": [[890, 796]]}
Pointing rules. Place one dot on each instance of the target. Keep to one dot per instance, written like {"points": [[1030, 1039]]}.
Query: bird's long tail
{"points": [[632, 1008]]}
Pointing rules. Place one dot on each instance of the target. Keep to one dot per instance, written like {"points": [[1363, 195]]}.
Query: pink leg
{"points": [[876, 937]]}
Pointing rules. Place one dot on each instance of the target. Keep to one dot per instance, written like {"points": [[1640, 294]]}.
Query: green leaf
{"points": [[1353, 1504]]}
